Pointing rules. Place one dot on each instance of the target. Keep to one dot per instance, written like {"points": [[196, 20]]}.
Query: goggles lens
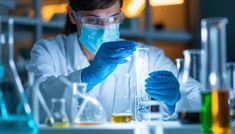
{"points": [[116, 19]]}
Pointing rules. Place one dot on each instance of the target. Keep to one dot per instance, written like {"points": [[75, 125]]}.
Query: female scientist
{"points": [[90, 51]]}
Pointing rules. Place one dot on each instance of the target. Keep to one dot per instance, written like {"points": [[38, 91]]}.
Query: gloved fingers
{"points": [[119, 44], [164, 86], [124, 53], [160, 73], [123, 61], [157, 96], [111, 60], [169, 100], [128, 49], [118, 50], [116, 54], [161, 79], [153, 91]]}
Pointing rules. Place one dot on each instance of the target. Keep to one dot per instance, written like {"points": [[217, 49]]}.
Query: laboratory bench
{"points": [[153, 127]]}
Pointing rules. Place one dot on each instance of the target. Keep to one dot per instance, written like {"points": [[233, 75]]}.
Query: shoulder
{"points": [[49, 43], [53, 44]]}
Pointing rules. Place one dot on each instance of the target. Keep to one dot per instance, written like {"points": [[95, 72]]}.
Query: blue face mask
{"points": [[92, 36]]}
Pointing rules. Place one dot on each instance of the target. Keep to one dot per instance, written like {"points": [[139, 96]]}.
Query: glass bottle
{"points": [[213, 35], [58, 113], [89, 111], [191, 77], [122, 109], [16, 114], [142, 69]]}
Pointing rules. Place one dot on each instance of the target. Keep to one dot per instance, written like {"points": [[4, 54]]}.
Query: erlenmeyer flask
{"points": [[89, 111], [213, 35], [16, 115], [58, 113], [191, 77]]}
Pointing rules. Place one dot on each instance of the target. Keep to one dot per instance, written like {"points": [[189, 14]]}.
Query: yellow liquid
{"points": [[60, 125], [121, 118], [88, 123], [220, 112]]}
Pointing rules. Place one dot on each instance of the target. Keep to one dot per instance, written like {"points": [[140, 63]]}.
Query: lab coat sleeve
{"points": [[42, 65]]}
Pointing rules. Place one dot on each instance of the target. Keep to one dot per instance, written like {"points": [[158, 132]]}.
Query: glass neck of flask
{"points": [[58, 105]]}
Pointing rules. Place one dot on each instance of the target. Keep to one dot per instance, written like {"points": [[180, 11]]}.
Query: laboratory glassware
{"points": [[16, 116], [142, 71], [3, 111], [89, 111], [231, 81], [189, 113], [122, 109], [180, 68], [38, 98], [76, 100], [58, 113], [213, 35]]}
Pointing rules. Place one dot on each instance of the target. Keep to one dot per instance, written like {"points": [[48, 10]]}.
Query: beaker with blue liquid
{"points": [[15, 113]]}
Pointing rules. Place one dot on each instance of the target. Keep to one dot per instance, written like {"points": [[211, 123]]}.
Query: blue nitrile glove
{"points": [[109, 55], [163, 86]]}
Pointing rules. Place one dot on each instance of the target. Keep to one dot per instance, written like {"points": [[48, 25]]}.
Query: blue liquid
{"points": [[3, 109], [14, 123], [20, 124], [2, 72]]}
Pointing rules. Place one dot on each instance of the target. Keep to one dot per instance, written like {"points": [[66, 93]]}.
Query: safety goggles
{"points": [[102, 21]]}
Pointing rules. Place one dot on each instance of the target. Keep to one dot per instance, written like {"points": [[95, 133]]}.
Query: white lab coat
{"points": [[62, 55]]}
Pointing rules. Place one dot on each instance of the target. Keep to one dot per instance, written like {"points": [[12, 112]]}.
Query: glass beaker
{"points": [[58, 113], [191, 83], [89, 111], [142, 71], [122, 109], [17, 117], [231, 81], [213, 35]]}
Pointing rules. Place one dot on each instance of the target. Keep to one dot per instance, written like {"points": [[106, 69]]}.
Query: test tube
{"points": [[142, 70]]}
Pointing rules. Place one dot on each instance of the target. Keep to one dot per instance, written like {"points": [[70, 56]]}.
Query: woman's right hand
{"points": [[109, 55]]}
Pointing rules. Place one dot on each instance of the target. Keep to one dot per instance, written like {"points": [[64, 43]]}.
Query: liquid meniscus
{"points": [[88, 123], [60, 124], [121, 118]]}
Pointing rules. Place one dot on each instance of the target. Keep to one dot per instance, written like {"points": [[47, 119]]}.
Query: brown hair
{"points": [[77, 5]]}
